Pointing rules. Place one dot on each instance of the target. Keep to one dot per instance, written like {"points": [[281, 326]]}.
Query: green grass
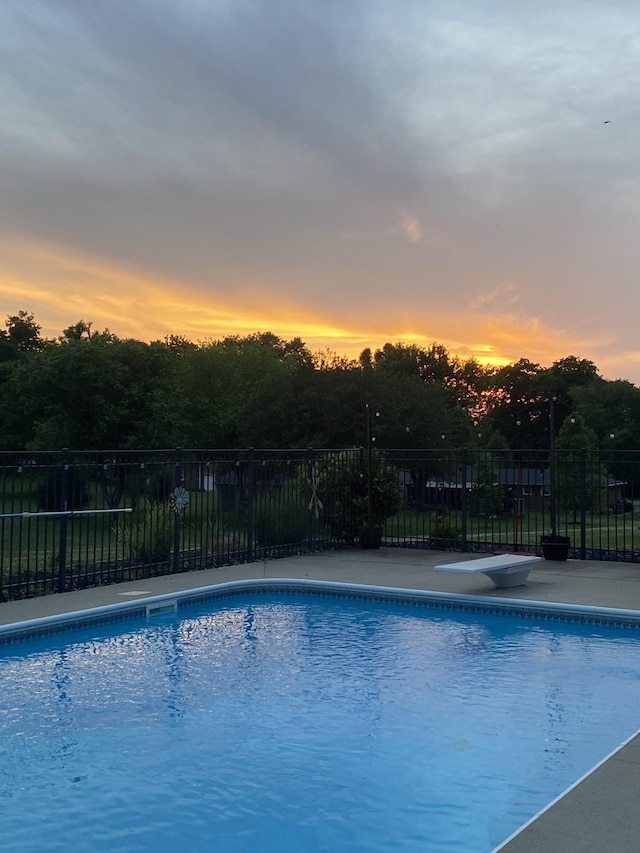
{"points": [[602, 530]]}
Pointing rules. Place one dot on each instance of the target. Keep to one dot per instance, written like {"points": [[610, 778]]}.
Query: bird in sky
{"points": [[608, 121]]}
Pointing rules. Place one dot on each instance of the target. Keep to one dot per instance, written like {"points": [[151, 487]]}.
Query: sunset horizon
{"points": [[132, 305]]}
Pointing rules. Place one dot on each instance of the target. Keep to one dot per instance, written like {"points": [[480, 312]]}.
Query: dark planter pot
{"points": [[370, 537], [555, 547]]}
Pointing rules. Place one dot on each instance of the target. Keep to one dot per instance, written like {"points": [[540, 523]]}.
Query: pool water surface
{"points": [[304, 722]]}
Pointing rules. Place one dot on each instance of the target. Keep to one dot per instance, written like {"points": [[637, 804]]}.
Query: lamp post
{"points": [[517, 516], [370, 536], [552, 466], [554, 547], [369, 468]]}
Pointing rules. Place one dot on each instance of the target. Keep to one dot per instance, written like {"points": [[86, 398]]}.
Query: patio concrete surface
{"points": [[600, 813]]}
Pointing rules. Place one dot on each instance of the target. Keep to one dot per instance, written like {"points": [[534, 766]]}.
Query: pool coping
{"points": [[574, 785], [147, 605]]}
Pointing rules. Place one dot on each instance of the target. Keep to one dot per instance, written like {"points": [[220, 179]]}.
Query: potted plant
{"points": [[369, 536], [379, 501], [356, 498], [555, 547]]}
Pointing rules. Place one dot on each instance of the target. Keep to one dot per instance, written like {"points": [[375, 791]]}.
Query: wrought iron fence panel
{"points": [[70, 520]]}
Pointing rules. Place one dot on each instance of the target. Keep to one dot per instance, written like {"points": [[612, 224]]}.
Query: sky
{"points": [[351, 172]]}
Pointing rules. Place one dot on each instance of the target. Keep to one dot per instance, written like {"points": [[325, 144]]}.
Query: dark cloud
{"points": [[252, 118], [333, 149], [263, 80]]}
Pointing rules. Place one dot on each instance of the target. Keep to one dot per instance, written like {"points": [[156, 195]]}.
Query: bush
{"points": [[149, 534], [281, 524], [444, 532], [486, 499], [342, 485]]}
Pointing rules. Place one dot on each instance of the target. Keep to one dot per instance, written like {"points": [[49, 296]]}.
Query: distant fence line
{"points": [[70, 520]]}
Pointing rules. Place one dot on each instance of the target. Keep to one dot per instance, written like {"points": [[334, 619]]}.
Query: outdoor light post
{"points": [[552, 467], [371, 535], [369, 468], [554, 547], [518, 511]]}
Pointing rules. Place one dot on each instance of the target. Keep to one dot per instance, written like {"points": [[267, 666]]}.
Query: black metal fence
{"points": [[71, 520]]}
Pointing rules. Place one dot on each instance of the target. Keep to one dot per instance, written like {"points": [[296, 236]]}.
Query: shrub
{"points": [[218, 532], [149, 534], [342, 486], [281, 524], [445, 532], [486, 499]]}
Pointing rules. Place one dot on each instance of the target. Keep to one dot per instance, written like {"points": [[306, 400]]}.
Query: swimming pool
{"points": [[278, 720]]}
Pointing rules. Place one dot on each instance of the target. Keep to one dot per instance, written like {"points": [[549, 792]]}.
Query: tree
{"points": [[244, 392], [431, 365], [486, 495], [517, 406], [179, 344], [612, 410], [331, 407], [471, 382], [89, 393], [22, 336], [77, 331], [580, 477], [519, 394], [571, 372]]}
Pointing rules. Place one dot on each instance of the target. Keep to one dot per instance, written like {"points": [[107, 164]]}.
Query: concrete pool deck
{"points": [[599, 814]]}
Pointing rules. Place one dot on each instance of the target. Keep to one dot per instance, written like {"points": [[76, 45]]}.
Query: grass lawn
{"points": [[601, 530]]}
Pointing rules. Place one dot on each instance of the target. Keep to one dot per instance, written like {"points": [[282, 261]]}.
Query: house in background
{"points": [[429, 492], [528, 485], [613, 496], [532, 487]]}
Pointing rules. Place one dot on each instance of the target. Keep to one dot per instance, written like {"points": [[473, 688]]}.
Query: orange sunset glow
{"points": [[61, 288]]}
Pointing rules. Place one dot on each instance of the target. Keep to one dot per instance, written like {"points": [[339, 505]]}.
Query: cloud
{"points": [[503, 295], [412, 227], [372, 167]]}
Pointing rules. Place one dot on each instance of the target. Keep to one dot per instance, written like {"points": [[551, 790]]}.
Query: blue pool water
{"points": [[305, 723]]}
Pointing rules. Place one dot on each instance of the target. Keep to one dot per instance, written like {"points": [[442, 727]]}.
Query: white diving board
{"points": [[505, 570]]}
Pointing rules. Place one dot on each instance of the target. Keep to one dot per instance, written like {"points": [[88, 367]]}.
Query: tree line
{"points": [[90, 389]]}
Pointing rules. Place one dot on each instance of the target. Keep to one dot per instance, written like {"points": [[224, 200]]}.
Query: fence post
{"points": [[177, 482], [583, 504], [64, 519], [250, 502]]}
